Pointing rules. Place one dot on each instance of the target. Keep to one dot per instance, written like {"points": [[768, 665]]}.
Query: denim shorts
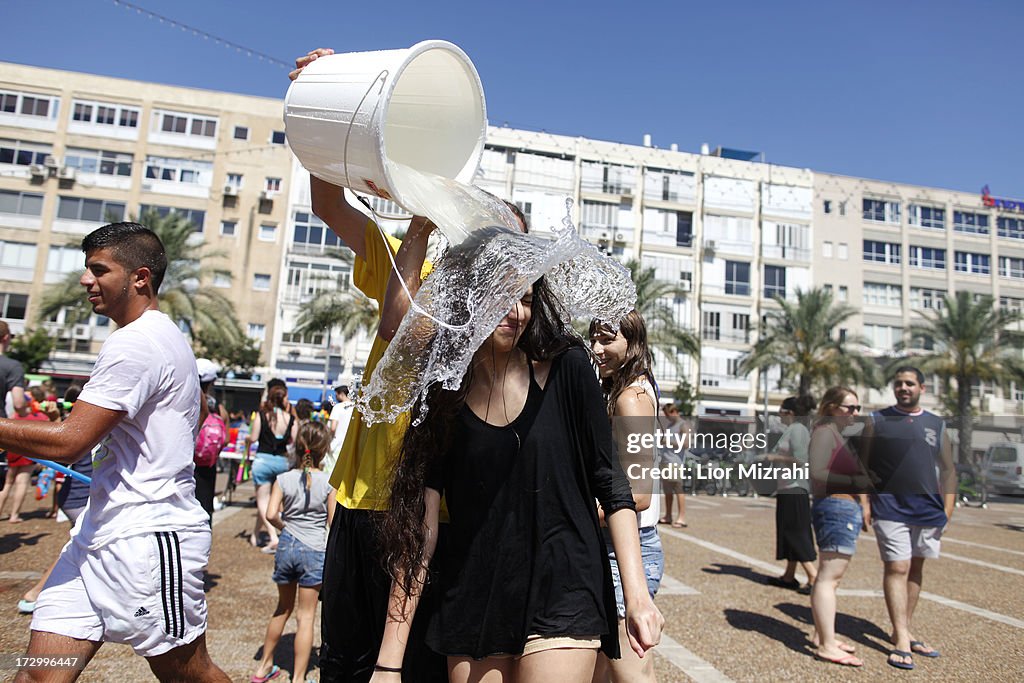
{"points": [[652, 557], [296, 562], [266, 468], [837, 523]]}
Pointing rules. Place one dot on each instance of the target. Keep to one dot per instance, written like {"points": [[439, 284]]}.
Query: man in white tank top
{"points": [[133, 570]]}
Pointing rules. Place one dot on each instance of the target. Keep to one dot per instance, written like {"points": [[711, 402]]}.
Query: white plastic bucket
{"points": [[422, 106]]}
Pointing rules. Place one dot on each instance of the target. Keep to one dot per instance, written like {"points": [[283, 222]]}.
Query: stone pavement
{"points": [[723, 621]]}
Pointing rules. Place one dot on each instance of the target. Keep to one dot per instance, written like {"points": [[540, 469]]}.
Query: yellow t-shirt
{"points": [[362, 475]]}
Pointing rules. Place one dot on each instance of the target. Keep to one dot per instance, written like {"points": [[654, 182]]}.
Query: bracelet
{"points": [[387, 669]]}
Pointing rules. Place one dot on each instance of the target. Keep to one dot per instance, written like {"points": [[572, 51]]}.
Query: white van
{"points": [[1004, 464]]}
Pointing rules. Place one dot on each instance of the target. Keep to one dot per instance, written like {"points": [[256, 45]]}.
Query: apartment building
{"points": [[77, 149]]}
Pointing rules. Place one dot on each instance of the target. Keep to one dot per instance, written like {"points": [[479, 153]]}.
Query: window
{"points": [[183, 123], [310, 338], [669, 185], [711, 330], [774, 282], [93, 210], [105, 114], [28, 104], [194, 216], [967, 221], [22, 153], [18, 255], [826, 250], [925, 299], [1011, 267], [13, 306], [277, 137], [64, 259], [883, 336], [927, 216], [741, 327], [928, 258], [881, 211], [1010, 303], [99, 161], [844, 294], [261, 282], [827, 206], [222, 279], [227, 228], [24, 203], [598, 176], [310, 232], [272, 185], [174, 170], [880, 294], [882, 252], [1010, 227], [842, 251], [241, 133], [234, 180], [967, 262], [527, 209], [684, 228], [308, 279], [257, 331], [737, 278], [268, 232]]}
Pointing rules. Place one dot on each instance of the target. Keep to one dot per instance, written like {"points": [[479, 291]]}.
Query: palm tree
{"points": [[182, 298], [663, 332], [352, 310], [798, 337], [969, 340]]}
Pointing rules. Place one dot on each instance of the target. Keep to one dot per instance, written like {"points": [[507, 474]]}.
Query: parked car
{"points": [[1004, 467]]}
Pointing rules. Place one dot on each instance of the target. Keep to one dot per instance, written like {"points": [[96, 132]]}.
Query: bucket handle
{"points": [[382, 77]]}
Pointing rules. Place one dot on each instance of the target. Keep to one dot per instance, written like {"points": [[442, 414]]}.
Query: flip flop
{"points": [[920, 648], [26, 606], [680, 525], [845, 660], [664, 520], [901, 665], [275, 671]]}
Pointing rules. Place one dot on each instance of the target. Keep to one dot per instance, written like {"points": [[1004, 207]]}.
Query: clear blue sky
{"points": [[917, 91]]}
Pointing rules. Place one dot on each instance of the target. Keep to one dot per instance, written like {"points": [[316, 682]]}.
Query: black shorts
{"points": [[355, 601], [794, 540]]}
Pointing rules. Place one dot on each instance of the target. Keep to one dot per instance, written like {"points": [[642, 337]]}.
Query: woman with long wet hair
{"points": [[520, 451]]}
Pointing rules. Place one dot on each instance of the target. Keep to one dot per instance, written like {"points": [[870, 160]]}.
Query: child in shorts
{"points": [[300, 507]]}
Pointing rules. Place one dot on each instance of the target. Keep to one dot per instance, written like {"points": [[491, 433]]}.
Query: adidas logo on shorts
{"points": [[141, 612]]}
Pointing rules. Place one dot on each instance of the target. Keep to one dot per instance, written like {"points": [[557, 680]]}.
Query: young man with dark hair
{"points": [[12, 375], [908, 454], [133, 571]]}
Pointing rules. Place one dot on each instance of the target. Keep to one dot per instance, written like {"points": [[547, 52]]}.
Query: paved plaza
{"points": [[723, 621]]}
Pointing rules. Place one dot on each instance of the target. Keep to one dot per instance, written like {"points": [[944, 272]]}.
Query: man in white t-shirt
{"points": [[341, 414], [133, 570]]}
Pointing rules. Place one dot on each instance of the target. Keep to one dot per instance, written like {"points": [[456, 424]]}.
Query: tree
{"points": [[241, 355], [352, 310], [800, 337], [664, 335], [685, 397], [968, 341], [31, 349], [182, 298]]}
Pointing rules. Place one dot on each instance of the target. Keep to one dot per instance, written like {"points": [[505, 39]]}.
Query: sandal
{"points": [[664, 520], [275, 671], [898, 664], [679, 525], [918, 647]]}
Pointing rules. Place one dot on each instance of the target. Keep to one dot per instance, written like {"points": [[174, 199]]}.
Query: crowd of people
{"points": [[392, 526]]}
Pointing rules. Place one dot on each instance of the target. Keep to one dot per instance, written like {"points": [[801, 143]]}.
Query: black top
{"points": [[905, 454], [11, 375], [524, 553], [272, 443]]}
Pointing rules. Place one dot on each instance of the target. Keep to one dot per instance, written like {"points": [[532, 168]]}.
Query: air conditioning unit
{"points": [[67, 173], [37, 171], [619, 237], [230, 190], [81, 332], [627, 190], [268, 195], [50, 162], [710, 244], [685, 285]]}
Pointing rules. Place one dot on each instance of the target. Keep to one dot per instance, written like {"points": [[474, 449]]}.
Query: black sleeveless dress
{"points": [[524, 553]]}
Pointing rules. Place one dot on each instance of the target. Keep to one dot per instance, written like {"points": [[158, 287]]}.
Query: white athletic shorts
{"points": [[145, 591], [898, 541]]}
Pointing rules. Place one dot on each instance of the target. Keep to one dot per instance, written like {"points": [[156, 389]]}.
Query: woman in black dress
{"points": [[519, 451]]}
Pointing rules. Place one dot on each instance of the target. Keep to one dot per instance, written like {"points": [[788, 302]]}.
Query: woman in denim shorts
{"points": [[299, 506], [624, 363], [839, 484]]}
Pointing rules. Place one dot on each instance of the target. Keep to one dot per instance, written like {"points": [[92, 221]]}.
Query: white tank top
{"points": [[652, 514]]}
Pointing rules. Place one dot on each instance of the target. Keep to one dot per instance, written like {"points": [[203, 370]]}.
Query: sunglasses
{"points": [[850, 410]]}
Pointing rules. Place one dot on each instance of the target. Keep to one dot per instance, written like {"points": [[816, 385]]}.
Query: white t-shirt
{"points": [[142, 477], [652, 514], [341, 415]]}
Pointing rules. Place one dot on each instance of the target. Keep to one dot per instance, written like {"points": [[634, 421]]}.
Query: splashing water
{"points": [[488, 266]]}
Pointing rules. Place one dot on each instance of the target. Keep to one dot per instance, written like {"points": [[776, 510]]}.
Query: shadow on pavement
{"points": [[861, 631], [210, 581], [1011, 527], [747, 573], [13, 541], [790, 636]]}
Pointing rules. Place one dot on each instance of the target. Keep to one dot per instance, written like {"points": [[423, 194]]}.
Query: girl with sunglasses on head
{"points": [[839, 484]]}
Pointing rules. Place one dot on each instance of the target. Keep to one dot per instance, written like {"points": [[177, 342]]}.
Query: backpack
{"points": [[212, 437]]}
